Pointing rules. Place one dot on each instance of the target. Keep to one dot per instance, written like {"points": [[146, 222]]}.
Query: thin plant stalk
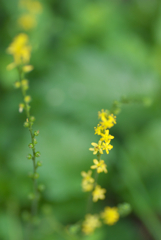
{"points": [[34, 205], [90, 202]]}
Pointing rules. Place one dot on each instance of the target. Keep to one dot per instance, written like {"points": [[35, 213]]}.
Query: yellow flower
{"points": [[87, 182], [99, 165], [27, 99], [87, 186], [108, 123], [107, 146], [87, 176], [103, 115], [20, 49], [112, 118], [98, 129], [97, 147], [98, 193], [27, 21], [28, 68], [106, 136], [110, 215], [90, 223]]}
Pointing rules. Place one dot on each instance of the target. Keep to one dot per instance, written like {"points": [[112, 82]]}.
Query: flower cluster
{"points": [[21, 52], [90, 223], [20, 48], [102, 129], [31, 9], [89, 184], [109, 216]]}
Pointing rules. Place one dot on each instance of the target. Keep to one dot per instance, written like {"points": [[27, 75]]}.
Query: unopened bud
{"points": [[36, 133], [39, 164], [32, 118], [124, 209], [26, 124], [37, 154], [31, 145], [29, 156], [27, 99]]}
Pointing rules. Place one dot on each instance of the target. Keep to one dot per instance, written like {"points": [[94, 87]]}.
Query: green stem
{"points": [[90, 201], [27, 110]]}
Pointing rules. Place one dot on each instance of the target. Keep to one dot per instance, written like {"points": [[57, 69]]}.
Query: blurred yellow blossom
{"points": [[110, 215], [97, 147], [87, 186], [87, 176], [87, 182], [20, 49], [27, 99], [27, 21], [99, 165], [28, 68], [90, 223], [98, 193]]}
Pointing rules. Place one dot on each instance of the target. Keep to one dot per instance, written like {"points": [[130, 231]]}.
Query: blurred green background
{"points": [[86, 55]]}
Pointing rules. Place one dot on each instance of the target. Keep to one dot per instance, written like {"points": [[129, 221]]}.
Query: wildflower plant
{"points": [[110, 215], [20, 49]]}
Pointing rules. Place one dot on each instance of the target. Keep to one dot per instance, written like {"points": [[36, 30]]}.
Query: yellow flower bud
{"points": [[27, 99], [28, 68]]}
